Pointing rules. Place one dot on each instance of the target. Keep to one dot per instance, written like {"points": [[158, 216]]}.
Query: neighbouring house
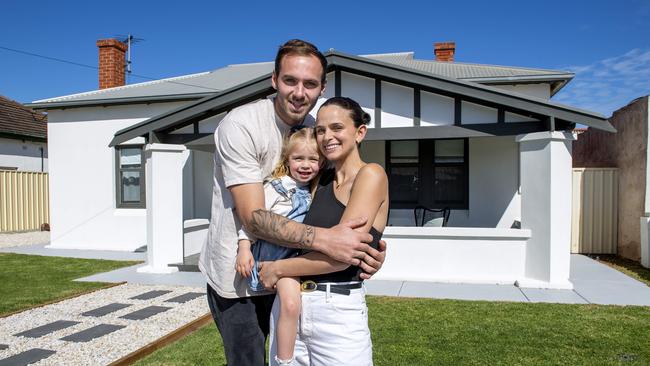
{"points": [[23, 137], [132, 165], [626, 150]]}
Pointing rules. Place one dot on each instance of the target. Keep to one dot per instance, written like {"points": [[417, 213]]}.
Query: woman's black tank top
{"points": [[326, 211]]}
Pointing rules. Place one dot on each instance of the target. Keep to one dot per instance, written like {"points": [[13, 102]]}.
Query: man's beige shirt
{"points": [[248, 143]]}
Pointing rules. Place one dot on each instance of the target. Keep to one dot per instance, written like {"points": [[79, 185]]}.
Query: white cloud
{"points": [[607, 85]]}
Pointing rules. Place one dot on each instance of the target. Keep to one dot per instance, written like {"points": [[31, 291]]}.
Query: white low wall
{"points": [[469, 255]]}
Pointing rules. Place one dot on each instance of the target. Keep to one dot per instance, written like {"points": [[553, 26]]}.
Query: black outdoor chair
{"points": [[425, 216]]}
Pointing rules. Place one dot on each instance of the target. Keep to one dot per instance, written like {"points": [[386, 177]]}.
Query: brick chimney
{"points": [[111, 62], [444, 51]]}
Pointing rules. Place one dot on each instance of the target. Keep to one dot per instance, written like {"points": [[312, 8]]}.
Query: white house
{"points": [[23, 137], [132, 165]]}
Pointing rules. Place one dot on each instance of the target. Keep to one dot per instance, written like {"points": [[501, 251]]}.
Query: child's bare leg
{"points": [[288, 289]]}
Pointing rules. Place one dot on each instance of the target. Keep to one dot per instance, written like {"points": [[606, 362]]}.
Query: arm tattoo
{"points": [[278, 229]]}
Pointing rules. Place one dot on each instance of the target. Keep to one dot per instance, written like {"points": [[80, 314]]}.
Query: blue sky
{"points": [[606, 43]]}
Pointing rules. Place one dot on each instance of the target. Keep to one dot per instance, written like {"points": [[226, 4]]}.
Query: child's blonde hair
{"points": [[304, 135]]}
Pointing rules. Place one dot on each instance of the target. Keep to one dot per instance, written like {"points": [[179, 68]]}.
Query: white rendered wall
{"points": [[362, 90], [469, 255], [645, 241], [477, 114], [535, 90], [436, 110], [396, 105], [82, 178], [24, 155]]}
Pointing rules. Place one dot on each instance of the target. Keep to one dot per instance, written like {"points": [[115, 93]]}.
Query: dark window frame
{"points": [[118, 175], [426, 175]]}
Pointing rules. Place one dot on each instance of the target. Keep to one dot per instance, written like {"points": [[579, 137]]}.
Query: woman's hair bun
{"points": [[365, 118]]}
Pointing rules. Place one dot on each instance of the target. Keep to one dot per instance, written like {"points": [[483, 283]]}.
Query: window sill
{"points": [[136, 211]]}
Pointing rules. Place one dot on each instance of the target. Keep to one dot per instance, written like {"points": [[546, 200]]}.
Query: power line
{"points": [[97, 68], [48, 58]]}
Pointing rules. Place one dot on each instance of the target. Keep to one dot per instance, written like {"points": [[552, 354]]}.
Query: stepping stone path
{"points": [[100, 327], [104, 310], [92, 333], [46, 329], [27, 358], [145, 313], [186, 297]]}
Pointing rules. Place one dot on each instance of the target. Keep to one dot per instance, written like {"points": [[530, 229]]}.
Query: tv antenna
{"points": [[129, 39]]}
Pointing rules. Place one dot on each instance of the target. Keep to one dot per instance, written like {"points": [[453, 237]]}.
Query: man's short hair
{"points": [[300, 48]]}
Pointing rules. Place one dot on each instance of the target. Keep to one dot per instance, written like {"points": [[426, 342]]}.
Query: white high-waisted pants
{"points": [[332, 330]]}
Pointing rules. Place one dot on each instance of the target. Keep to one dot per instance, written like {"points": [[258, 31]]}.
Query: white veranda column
{"points": [[545, 159], [164, 182]]}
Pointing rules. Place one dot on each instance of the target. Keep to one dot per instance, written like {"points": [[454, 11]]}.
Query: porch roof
{"points": [[156, 128]]}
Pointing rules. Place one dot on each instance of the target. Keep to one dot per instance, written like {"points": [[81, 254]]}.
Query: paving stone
{"points": [[185, 297], [145, 313], [3, 347], [462, 291], [110, 308], [46, 329], [28, 357], [92, 333], [150, 295], [553, 296]]}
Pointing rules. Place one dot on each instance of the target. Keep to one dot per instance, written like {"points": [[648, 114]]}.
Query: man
{"points": [[248, 142]]}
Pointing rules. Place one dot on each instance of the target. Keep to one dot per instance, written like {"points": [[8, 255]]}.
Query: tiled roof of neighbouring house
{"points": [[20, 121]]}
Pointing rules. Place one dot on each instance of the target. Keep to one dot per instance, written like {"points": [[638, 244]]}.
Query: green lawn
{"points": [[450, 332], [30, 280]]}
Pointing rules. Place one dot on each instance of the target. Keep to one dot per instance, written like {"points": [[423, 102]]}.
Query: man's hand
{"points": [[268, 275], [374, 261], [344, 244]]}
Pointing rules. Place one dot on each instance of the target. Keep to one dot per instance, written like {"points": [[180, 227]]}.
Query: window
{"points": [[433, 173], [130, 177], [404, 161]]}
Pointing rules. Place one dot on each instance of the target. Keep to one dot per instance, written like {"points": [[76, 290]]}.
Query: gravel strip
{"points": [[27, 238], [110, 347]]}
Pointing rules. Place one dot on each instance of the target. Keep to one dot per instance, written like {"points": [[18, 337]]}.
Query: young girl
{"points": [[287, 193]]}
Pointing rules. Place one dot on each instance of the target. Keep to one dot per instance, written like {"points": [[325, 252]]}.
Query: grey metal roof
{"points": [[254, 89], [480, 73], [199, 85], [459, 70]]}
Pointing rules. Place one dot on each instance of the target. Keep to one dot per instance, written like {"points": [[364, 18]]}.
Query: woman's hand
{"points": [[268, 274]]}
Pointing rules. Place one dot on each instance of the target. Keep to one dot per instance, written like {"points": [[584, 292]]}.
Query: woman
{"points": [[334, 323]]}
